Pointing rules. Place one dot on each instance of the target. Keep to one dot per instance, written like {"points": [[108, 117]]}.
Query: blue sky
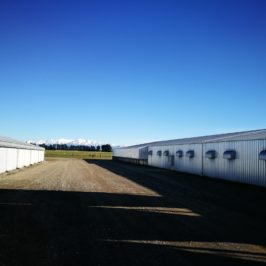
{"points": [[126, 72]]}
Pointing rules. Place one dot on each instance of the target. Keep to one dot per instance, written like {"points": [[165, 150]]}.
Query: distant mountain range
{"points": [[68, 142]]}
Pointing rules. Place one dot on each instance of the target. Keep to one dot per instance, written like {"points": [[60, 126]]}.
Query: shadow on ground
{"points": [[177, 228]]}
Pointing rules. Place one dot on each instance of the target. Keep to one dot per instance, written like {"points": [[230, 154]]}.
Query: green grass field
{"points": [[79, 154]]}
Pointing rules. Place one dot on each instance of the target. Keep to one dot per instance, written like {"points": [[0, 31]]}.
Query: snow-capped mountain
{"points": [[68, 142]]}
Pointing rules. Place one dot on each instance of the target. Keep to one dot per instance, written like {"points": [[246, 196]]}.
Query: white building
{"points": [[238, 157], [15, 154]]}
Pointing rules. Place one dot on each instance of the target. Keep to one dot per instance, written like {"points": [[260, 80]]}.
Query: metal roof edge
{"points": [[15, 144], [201, 139]]}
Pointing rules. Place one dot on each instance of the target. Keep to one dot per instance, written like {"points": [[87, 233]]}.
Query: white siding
{"points": [[31, 157], [246, 168], [143, 153], [155, 159], [12, 159], [35, 156], [3, 155], [132, 153], [15, 154], [183, 164], [21, 158], [40, 156], [127, 153], [189, 165], [27, 157]]}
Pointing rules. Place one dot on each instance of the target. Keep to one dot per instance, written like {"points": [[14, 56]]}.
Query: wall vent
{"points": [[190, 154], [229, 155], [179, 154], [159, 153], [166, 153], [211, 154], [262, 155]]}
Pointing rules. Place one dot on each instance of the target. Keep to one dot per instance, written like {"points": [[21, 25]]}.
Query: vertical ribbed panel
{"points": [[3, 157], [21, 158], [183, 164], [31, 157], [36, 156], [246, 168], [143, 153], [262, 165], [12, 159], [189, 165], [27, 158], [159, 161], [40, 156], [132, 153]]}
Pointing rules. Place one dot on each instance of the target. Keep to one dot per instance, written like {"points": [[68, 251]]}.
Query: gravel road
{"points": [[76, 212]]}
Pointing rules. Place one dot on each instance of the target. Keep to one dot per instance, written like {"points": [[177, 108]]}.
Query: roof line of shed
{"points": [[241, 135], [6, 142]]}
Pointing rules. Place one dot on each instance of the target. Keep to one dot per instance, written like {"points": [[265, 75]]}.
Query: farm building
{"points": [[15, 154], [238, 157]]}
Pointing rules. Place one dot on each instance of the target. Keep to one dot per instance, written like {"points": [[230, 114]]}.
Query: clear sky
{"points": [[126, 72]]}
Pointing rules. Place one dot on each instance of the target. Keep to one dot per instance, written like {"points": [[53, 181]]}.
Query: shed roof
{"points": [[236, 136], [12, 143]]}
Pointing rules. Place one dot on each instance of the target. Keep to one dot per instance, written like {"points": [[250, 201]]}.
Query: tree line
{"points": [[104, 148]]}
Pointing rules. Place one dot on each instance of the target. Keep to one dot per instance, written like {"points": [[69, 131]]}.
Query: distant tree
{"points": [[107, 148]]}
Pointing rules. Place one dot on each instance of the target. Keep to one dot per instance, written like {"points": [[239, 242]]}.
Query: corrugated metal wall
{"points": [[127, 153], [133, 153], [21, 158], [186, 164], [155, 159], [182, 164], [3, 160], [143, 153], [41, 156], [27, 157], [246, 168], [12, 158], [34, 156]]}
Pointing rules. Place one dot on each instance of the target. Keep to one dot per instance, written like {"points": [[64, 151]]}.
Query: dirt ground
{"points": [[76, 212]]}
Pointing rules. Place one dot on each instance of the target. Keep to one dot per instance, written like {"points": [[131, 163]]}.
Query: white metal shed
{"points": [[16, 154], [238, 157]]}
